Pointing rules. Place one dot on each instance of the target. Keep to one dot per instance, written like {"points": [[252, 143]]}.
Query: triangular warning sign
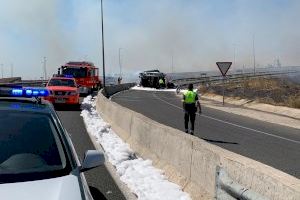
{"points": [[223, 67]]}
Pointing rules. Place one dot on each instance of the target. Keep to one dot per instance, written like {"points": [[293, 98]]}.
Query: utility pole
{"points": [[254, 55], [172, 63], [45, 68], [11, 70], [2, 70], [234, 49], [244, 82], [103, 59], [120, 64]]}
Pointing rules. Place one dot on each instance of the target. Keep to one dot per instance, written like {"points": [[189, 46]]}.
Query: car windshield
{"points": [[30, 147], [62, 82], [75, 72]]}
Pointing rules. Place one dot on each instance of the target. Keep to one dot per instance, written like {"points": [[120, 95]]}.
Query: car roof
{"points": [[25, 105]]}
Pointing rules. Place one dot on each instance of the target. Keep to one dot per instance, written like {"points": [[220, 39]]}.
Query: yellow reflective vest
{"points": [[190, 97]]}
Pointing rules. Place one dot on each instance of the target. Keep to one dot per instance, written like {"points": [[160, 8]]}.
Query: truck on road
{"points": [[85, 73]]}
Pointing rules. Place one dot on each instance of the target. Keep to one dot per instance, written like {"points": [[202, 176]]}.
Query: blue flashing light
{"points": [[32, 92], [16, 106], [17, 92], [35, 93], [44, 92], [28, 92]]}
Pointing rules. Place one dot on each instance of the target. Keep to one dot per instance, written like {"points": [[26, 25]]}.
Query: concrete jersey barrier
{"points": [[113, 89], [191, 162]]}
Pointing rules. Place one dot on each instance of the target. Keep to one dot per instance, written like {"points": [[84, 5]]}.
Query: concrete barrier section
{"points": [[192, 162], [166, 143], [113, 89]]}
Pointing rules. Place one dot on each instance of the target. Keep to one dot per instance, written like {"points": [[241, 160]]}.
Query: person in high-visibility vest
{"points": [[161, 83], [190, 104]]}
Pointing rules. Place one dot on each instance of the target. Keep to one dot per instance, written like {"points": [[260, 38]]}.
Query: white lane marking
{"points": [[232, 124]]}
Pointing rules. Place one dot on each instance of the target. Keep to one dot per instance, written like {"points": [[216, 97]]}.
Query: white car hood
{"points": [[61, 188]]}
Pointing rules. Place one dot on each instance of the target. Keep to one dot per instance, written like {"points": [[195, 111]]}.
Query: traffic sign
{"points": [[223, 67]]}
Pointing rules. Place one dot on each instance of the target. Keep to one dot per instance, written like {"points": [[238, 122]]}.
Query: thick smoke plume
{"points": [[31, 30], [152, 34]]}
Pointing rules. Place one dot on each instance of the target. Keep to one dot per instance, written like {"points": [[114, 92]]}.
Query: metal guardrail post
{"points": [[228, 189]]}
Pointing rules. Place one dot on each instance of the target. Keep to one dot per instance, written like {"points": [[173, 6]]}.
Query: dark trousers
{"points": [[189, 115]]}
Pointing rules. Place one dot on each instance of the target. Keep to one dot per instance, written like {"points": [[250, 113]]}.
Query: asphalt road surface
{"points": [[274, 145], [101, 183]]}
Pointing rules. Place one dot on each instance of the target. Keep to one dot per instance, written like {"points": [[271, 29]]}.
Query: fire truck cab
{"points": [[86, 75]]}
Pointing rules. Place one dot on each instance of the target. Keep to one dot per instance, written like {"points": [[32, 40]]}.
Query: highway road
{"points": [[274, 145], [101, 183]]}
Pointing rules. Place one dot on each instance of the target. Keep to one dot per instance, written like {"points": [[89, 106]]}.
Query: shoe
{"points": [[192, 132], [186, 130]]}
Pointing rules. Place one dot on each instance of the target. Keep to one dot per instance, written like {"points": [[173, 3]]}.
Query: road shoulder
{"points": [[274, 114]]}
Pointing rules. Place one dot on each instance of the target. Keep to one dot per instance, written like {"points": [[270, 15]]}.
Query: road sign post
{"points": [[223, 89], [223, 67]]}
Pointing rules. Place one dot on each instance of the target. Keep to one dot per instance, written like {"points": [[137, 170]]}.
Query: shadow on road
{"points": [[97, 195], [218, 141]]}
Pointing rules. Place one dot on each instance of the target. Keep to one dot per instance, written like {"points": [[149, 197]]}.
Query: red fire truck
{"points": [[86, 75]]}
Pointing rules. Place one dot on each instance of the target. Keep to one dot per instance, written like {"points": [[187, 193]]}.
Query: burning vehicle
{"points": [[155, 79], [152, 78]]}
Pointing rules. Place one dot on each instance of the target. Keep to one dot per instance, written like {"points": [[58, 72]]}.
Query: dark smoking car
{"points": [[151, 78]]}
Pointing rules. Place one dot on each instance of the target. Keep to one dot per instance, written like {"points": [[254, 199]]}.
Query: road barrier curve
{"points": [[192, 162], [113, 89]]}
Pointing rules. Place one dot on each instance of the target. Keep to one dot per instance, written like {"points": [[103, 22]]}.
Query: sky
{"points": [[152, 34]]}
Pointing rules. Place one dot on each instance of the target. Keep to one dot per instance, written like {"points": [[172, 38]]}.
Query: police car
{"points": [[37, 157]]}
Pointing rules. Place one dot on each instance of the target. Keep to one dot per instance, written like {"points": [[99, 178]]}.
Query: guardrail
{"points": [[10, 80], [235, 77], [113, 89], [39, 83], [228, 189]]}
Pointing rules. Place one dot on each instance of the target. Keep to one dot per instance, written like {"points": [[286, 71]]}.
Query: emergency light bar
{"points": [[63, 75], [23, 92], [30, 92]]}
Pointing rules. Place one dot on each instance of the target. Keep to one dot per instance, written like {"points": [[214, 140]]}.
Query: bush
{"points": [[293, 101]]}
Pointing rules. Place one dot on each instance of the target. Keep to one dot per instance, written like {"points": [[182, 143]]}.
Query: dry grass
{"points": [[266, 90], [262, 84], [294, 101]]}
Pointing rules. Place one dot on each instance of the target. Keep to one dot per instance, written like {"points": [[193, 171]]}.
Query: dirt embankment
{"points": [[274, 91]]}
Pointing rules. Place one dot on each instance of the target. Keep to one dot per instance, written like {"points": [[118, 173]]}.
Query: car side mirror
{"points": [[92, 159]]}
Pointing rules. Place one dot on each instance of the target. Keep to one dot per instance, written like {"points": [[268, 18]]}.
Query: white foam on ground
{"points": [[152, 89], [147, 182]]}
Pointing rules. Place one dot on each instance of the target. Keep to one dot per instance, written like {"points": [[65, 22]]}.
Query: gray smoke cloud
{"points": [[195, 33], [31, 30], [199, 33]]}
